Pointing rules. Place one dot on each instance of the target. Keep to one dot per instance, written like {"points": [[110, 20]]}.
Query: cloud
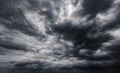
{"points": [[42, 34]]}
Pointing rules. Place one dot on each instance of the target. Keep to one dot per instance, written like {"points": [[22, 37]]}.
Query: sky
{"points": [[59, 35]]}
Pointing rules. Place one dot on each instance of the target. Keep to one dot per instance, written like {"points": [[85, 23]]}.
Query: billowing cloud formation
{"points": [[61, 34]]}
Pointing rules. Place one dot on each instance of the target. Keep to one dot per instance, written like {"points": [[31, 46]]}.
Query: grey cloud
{"points": [[66, 35]]}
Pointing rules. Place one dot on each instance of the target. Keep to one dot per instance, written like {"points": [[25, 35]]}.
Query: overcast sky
{"points": [[59, 35]]}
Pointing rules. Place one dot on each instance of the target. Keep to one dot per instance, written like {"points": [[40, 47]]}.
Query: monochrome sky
{"points": [[59, 34]]}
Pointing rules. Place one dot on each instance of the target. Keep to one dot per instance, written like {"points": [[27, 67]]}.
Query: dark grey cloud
{"points": [[13, 18], [93, 7], [59, 35]]}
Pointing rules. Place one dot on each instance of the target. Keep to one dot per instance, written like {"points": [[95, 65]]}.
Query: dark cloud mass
{"points": [[59, 36]]}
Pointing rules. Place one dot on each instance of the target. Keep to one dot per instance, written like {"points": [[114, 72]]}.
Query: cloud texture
{"points": [[61, 34]]}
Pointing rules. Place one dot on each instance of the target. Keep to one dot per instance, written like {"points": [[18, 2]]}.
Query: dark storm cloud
{"points": [[86, 37], [85, 34], [93, 7], [12, 46], [92, 35], [13, 18]]}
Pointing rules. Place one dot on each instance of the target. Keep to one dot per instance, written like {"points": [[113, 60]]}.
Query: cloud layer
{"points": [[61, 34]]}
